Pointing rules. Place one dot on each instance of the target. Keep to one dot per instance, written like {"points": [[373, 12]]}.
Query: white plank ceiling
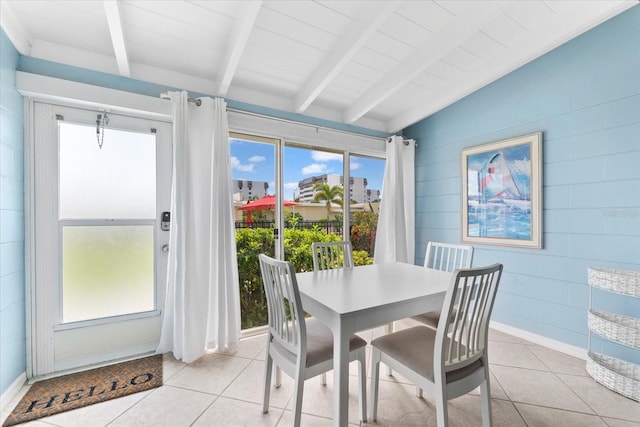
{"points": [[381, 65]]}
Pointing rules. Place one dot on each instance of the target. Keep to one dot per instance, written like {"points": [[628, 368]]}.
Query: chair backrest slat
{"points": [[330, 255], [284, 307], [447, 256], [461, 337]]}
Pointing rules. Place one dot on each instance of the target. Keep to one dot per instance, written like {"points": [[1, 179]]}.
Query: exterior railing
{"points": [[329, 226]]}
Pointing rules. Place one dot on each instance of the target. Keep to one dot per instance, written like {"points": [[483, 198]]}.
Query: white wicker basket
{"points": [[624, 282], [622, 329], [618, 375]]}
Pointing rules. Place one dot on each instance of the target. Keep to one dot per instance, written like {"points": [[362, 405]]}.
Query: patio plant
{"points": [[251, 242]]}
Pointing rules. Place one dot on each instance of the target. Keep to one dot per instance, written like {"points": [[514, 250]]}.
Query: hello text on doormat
{"points": [[73, 391]]}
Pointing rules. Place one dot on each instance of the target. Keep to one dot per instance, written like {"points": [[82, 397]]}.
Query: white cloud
{"points": [[235, 164], [291, 186], [256, 159], [314, 168], [323, 156], [355, 165]]}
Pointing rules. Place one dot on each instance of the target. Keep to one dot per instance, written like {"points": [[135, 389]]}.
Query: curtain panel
{"points": [[395, 238], [202, 308]]}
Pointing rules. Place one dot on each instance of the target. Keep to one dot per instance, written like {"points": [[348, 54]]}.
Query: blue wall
{"points": [[585, 98], [12, 277]]}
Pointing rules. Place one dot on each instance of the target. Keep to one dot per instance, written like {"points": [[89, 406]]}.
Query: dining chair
{"points": [[302, 348], [446, 257], [451, 360], [330, 255]]}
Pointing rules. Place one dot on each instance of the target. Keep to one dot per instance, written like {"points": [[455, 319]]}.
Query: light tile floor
{"points": [[530, 386]]}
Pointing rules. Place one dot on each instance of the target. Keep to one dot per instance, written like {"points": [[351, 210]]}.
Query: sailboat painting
{"points": [[502, 192]]}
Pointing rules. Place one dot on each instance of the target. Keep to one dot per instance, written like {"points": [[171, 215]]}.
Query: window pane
{"points": [[365, 191], [313, 178], [115, 181], [107, 271]]}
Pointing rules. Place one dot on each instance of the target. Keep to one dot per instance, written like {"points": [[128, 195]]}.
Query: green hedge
{"points": [[251, 242]]}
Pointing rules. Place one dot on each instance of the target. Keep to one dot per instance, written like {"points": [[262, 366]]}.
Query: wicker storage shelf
{"points": [[624, 282], [616, 327], [618, 375]]}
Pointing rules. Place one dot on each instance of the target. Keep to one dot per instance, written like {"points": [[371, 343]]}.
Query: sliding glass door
{"points": [[287, 196]]}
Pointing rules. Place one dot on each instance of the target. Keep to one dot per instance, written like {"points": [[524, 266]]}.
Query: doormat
{"points": [[60, 394]]}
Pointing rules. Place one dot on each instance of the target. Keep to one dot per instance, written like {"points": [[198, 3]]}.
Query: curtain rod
{"points": [[165, 95], [404, 141]]}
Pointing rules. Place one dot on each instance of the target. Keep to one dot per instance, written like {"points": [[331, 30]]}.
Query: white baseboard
{"points": [[12, 391], [569, 349]]}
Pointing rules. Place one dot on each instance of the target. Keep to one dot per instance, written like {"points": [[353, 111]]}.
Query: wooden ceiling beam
{"points": [[347, 46], [472, 19], [246, 17], [114, 20]]}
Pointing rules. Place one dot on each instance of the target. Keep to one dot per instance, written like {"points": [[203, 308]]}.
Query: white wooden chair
{"points": [[329, 255], [302, 348], [452, 360], [446, 257]]}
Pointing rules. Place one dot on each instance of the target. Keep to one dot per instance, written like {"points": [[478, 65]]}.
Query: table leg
{"points": [[340, 377]]}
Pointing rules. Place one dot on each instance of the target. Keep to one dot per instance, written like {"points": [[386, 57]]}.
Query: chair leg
{"points": [[362, 382], [442, 415], [278, 381], [297, 398], [268, 365], [485, 403], [323, 379], [375, 373], [389, 328]]}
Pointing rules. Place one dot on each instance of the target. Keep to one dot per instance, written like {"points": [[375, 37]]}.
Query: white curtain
{"points": [[202, 308], [395, 238]]}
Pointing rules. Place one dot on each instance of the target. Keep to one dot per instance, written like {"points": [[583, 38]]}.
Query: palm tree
{"points": [[329, 195]]}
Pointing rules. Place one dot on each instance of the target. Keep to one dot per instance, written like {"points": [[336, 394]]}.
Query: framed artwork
{"points": [[502, 192]]}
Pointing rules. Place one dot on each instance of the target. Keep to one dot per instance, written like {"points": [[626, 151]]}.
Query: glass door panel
{"points": [[253, 170], [365, 191], [106, 271], [115, 181], [313, 201], [107, 266]]}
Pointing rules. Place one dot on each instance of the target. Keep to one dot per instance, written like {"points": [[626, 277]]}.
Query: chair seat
{"points": [[320, 342], [431, 318], [414, 347]]}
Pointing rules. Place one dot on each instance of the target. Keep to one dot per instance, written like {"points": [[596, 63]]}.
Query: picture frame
{"points": [[502, 192]]}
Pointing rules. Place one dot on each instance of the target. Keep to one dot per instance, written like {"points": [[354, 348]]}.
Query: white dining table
{"points": [[359, 298]]}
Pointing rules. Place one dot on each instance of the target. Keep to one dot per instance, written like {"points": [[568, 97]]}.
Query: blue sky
{"points": [[255, 161]]}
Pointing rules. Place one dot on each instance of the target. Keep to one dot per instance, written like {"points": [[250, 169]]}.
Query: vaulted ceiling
{"points": [[377, 64]]}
